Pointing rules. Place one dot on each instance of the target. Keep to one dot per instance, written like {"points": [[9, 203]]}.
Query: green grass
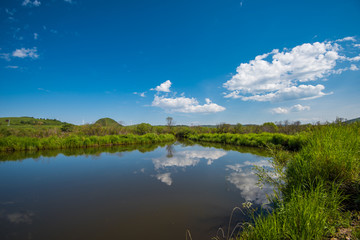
{"points": [[310, 214], [12, 143], [332, 155], [289, 142], [21, 121], [319, 185]]}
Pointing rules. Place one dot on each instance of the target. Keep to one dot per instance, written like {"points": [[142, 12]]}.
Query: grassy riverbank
{"points": [[13, 143], [288, 142], [317, 188]]}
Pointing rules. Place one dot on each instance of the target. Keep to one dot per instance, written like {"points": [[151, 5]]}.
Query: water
{"points": [[136, 192]]}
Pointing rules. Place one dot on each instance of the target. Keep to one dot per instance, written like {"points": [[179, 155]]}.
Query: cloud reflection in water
{"points": [[183, 159], [246, 181], [188, 158], [165, 178]]}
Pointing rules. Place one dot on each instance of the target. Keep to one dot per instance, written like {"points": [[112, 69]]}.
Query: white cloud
{"points": [[182, 104], [295, 108], [356, 45], [36, 36], [164, 87], [280, 110], [44, 90], [5, 56], [30, 3], [12, 67], [165, 178], [299, 108], [280, 75], [68, 1], [303, 92], [352, 39], [353, 67], [354, 59], [185, 105], [141, 94], [26, 52]]}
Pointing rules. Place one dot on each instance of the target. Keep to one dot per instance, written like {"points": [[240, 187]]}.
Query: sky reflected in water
{"points": [[156, 192]]}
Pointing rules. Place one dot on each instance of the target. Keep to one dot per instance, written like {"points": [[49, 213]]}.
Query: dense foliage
{"points": [[289, 142], [315, 186], [13, 143]]}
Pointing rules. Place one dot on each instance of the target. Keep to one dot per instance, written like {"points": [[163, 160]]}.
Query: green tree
{"points": [[269, 127], [143, 128]]}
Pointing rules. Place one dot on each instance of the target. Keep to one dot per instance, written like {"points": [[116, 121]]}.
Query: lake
{"points": [[132, 192]]}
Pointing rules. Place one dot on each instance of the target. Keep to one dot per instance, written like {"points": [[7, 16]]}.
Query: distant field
{"points": [[29, 121]]}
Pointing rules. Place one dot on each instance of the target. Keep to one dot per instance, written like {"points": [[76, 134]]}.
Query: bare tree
{"points": [[169, 122]]}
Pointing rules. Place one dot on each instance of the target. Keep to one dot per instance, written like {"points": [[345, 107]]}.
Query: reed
{"points": [[13, 143]]}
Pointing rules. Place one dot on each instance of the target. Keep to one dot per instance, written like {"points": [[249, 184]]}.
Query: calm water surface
{"points": [[144, 192]]}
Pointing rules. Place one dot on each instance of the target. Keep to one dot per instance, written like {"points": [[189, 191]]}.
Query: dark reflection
{"points": [[242, 149], [96, 151], [170, 151]]}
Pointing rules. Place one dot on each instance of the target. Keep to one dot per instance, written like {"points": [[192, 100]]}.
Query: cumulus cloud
{"points": [[164, 87], [181, 104], [295, 108], [36, 36], [303, 92], [186, 105], [26, 52], [30, 3], [281, 75]]}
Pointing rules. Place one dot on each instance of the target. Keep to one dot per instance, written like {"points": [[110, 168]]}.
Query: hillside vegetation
{"points": [[107, 122]]}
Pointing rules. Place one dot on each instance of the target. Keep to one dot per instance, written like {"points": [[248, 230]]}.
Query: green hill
{"points": [[21, 121], [107, 122]]}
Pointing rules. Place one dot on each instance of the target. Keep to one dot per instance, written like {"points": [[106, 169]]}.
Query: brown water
{"points": [[136, 192]]}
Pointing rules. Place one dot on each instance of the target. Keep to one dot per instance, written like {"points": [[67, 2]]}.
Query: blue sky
{"points": [[200, 62]]}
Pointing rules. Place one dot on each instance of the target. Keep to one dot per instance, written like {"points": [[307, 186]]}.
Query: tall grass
{"points": [[289, 142], [318, 183], [73, 141], [307, 214], [332, 155]]}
